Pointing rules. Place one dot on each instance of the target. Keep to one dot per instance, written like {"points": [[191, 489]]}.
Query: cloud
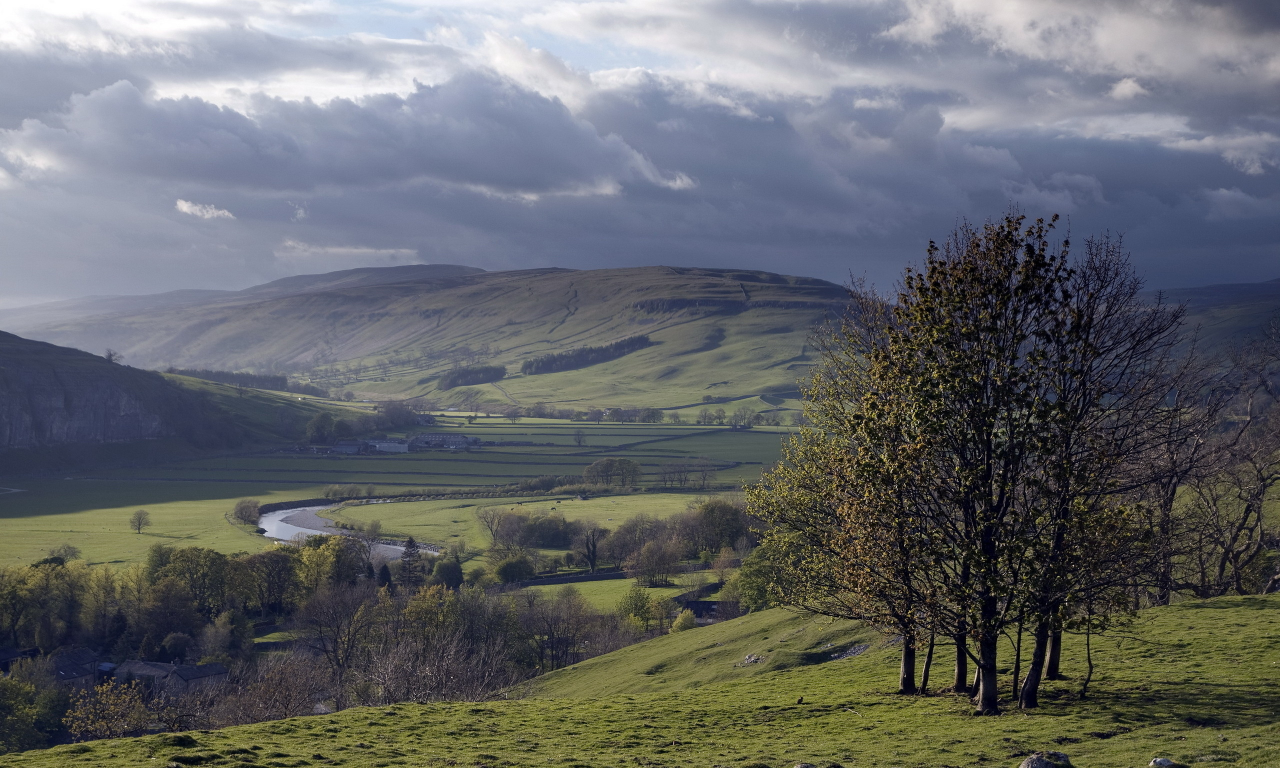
{"points": [[810, 137], [202, 211]]}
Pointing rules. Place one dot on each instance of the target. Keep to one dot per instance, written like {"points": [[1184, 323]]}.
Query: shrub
{"points": [[686, 620], [515, 569]]}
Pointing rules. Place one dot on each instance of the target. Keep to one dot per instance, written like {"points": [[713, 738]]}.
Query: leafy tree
{"points": [[139, 520], [320, 428], [448, 572], [111, 710], [613, 471], [686, 620], [246, 511], [18, 714], [515, 569]]}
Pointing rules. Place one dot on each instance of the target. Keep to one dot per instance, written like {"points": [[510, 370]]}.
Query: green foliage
{"points": [[18, 715], [613, 471], [467, 377], [515, 569], [320, 429], [583, 357], [686, 620], [448, 572]]}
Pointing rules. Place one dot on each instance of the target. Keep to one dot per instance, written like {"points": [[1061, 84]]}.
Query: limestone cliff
{"points": [[52, 395]]}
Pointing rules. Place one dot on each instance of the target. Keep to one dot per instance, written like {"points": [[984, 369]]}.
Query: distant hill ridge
{"points": [[393, 331], [719, 334]]}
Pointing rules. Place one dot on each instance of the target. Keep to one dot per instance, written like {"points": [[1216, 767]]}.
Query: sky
{"points": [[151, 146]]}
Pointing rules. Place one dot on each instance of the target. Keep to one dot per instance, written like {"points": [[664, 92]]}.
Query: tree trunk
{"points": [[1052, 669], [1030, 696], [928, 664], [961, 682], [1017, 660], [907, 672], [1088, 657], [989, 687]]}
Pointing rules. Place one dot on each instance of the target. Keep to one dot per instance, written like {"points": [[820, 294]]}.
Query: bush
{"points": [[686, 620], [515, 569]]}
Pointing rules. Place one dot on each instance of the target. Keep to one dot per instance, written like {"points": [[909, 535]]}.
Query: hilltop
{"points": [[711, 332], [1194, 682]]}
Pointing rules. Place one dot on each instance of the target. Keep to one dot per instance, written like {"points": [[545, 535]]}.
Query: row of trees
{"points": [[1018, 443], [583, 356]]}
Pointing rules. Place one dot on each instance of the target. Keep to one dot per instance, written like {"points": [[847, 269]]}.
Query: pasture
{"points": [[189, 499]]}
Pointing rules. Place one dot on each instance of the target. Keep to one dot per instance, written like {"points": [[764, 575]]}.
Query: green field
{"points": [[189, 499], [605, 595], [447, 520], [1195, 682]]}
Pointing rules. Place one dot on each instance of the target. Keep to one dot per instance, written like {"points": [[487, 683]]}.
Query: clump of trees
{"points": [[647, 548], [583, 356], [613, 471], [471, 376], [1018, 443]]}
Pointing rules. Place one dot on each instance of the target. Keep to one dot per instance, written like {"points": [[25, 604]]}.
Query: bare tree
{"points": [[139, 520]]}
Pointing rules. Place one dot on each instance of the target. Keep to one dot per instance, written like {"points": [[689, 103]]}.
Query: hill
{"points": [[716, 333], [1229, 312], [22, 319], [1195, 682], [52, 396]]}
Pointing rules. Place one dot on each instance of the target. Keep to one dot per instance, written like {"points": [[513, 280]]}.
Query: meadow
{"points": [[1195, 682], [189, 498]]}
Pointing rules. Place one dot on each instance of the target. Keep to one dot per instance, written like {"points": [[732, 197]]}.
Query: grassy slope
{"points": [[730, 333], [1197, 681]]}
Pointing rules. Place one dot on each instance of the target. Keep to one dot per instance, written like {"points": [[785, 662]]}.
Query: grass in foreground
{"points": [[1196, 682]]}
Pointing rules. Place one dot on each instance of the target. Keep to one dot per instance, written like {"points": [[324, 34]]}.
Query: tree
{"points": [[111, 710], [410, 563], [686, 620], [587, 544], [320, 428], [65, 552], [139, 520], [448, 572], [112, 356], [18, 715], [336, 622], [247, 511], [515, 569], [613, 471], [972, 444], [579, 438], [491, 519]]}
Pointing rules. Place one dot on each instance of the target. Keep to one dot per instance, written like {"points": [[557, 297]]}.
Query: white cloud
{"points": [[202, 211], [1127, 89]]}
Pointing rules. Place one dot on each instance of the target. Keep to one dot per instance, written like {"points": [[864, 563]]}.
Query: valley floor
{"points": [[1195, 682]]}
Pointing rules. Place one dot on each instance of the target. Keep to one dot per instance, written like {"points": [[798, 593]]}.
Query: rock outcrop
{"points": [[52, 396]]}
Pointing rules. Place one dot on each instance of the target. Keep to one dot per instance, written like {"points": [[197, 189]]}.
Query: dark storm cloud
{"points": [[816, 138]]}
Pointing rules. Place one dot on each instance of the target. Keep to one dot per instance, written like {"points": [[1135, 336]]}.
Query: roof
{"points": [[189, 673], [74, 663], [138, 668]]}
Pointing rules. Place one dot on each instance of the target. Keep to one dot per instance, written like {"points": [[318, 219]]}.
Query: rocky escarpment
{"points": [[52, 395]]}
